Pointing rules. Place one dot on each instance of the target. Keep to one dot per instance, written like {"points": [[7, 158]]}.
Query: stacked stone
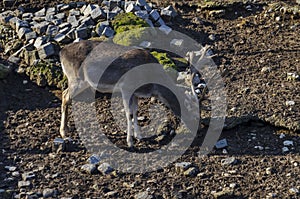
{"points": [[45, 31]]}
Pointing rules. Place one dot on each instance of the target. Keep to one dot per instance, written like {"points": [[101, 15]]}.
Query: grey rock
{"points": [[4, 71], [58, 145], [27, 15], [64, 30], [28, 176], [62, 38], [40, 13], [97, 14], [39, 42], [51, 10], [9, 168], [182, 166], [101, 27], [6, 16], [47, 193], [143, 195], [88, 10], [64, 25], [8, 3], [89, 168], [52, 30], [80, 4], [182, 76], [145, 44], [49, 17], [94, 159], [149, 22], [229, 161], [14, 59], [82, 33], [39, 19], [169, 11], [166, 29], [46, 50], [23, 31], [12, 22], [60, 15], [71, 34], [41, 27], [154, 15], [221, 144], [192, 171], [293, 191], [108, 32], [142, 14], [64, 7], [224, 193], [15, 173], [105, 168], [148, 7], [160, 22], [24, 184], [74, 12], [30, 35], [73, 21], [131, 7], [19, 24], [141, 3], [77, 40], [87, 21]]}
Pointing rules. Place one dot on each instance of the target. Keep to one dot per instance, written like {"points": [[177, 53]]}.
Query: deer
{"points": [[79, 76]]}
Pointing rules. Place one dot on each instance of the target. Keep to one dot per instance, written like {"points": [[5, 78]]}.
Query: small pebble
{"points": [[288, 143], [229, 161], [47, 193], [285, 149], [293, 191]]}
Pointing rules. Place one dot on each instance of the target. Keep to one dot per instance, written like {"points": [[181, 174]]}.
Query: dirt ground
{"points": [[257, 116]]}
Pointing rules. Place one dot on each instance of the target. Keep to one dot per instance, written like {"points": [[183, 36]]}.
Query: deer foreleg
{"points": [[66, 100]]}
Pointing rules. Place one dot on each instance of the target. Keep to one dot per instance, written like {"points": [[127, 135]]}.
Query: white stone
{"points": [[288, 143], [166, 29], [145, 44]]}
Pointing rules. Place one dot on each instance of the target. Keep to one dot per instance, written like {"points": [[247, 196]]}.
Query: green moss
{"points": [[127, 21], [45, 73], [164, 60], [129, 29]]}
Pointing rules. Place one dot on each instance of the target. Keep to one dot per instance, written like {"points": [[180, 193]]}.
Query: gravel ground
{"points": [[259, 123]]}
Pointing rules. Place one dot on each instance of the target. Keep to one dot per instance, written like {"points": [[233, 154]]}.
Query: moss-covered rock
{"points": [[129, 29], [168, 64], [45, 73], [127, 21]]}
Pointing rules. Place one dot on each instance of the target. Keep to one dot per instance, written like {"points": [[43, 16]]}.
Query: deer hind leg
{"points": [[134, 108], [66, 100], [129, 115]]}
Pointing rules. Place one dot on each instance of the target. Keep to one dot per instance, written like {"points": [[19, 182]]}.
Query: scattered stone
{"points": [[141, 3], [15, 174], [108, 32], [48, 193], [30, 35], [289, 103], [111, 194], [259, 147], [40, 13], [166, 29], [292, 76], [46, 50], [145, 44], [4, 71], [89, 168], [105, 168], [28, 176], [221, 144], [232, 185], [82, 33], [169, 11], [269, 170], [10, 168], [24, 184], [73, 21], [229, 161], [88, 9], [160, 22], [192, 171], [154, 15], [285, 149], [182, 166], [265, 69], [216, 13], [282, 136], [22, 31], [293, 191], [41, 28], [62, 39], [101, 26], [143, 195], [212, 37], [97, 14], [88, 21], [94, 159], [143, 14], [288, 143], [52, 30], [224, 193]]}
